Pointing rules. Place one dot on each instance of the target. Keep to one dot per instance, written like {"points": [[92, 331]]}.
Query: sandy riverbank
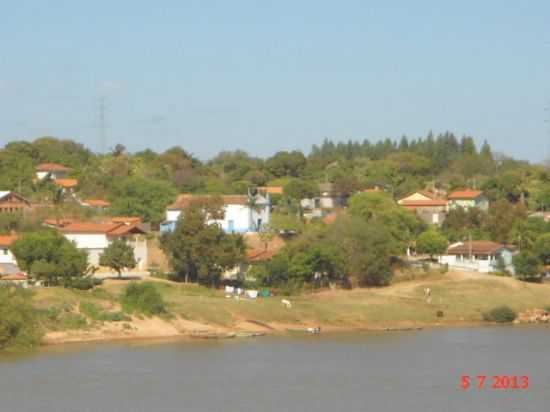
{"points": [[462, 297]]}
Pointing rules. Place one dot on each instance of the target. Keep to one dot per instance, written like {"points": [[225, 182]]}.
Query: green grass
{"points": [[461, 298]]}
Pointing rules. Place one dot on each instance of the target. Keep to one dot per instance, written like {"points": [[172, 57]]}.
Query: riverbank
{"points": [[459, 298]]}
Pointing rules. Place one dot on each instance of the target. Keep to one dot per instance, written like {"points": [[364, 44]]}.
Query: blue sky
{"points": [[267, 75]]}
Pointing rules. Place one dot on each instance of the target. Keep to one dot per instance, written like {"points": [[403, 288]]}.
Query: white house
{"points": [[478, 255], [327, 200], [52, 171], [242, 213], [6, 257], [95, 237]]}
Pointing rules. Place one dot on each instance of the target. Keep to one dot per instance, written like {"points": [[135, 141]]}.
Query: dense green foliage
{"points": [[143, 298], [500, 314], [199, 250], [118, 256], [18, 320], [431, 242], [48, 256]]}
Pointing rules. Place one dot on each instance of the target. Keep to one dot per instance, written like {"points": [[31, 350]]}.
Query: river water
{"points": [[392, 371]]}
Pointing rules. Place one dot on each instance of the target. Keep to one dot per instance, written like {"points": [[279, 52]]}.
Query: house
{"points": [[427, 206], [478, 255], [52, 171], [6, 257], [468, 198], [98, 204], [11, 202], [242, 213], [328, 199], [95, 237]]}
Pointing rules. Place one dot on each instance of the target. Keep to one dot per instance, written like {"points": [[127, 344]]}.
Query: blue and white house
{"points": [[243, 213]]}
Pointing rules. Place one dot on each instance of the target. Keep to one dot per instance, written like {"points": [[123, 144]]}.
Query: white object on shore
{"points": [[286, 303], [251, 294]]}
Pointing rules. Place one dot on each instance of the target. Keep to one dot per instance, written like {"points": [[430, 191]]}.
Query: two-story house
{"points": [[468, 199], [242, 213], [95, 237], [427, 206]]}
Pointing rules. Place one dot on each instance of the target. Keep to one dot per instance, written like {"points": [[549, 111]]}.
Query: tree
{"points": [[527, 266], [300, 189], [118, 255], [431, 242], [199, 251], [137, 196], [541, 248], [49, 256]]}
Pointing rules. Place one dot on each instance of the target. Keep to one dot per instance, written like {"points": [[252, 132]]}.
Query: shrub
{"points": [[143, 298], [444, 268], [73, 321], [94, 312], [18, 319], [85, 283], [500, 314]]}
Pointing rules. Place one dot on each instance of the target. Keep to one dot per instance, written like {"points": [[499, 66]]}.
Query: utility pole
{"points": [[102, 125]]}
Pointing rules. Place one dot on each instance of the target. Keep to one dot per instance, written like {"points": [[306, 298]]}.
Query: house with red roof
{"points": [[427, 206], [468, 198], [479, 255], [95, 237], [52, 171]]}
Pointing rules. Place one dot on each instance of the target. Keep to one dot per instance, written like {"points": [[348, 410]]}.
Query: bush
{"points": [[143, 298], [444, 268], [501, 314], [86, 283], [18, 319], [94, 312]]}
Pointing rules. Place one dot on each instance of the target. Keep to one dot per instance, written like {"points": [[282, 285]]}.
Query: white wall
{"points": [[88, 240], [6, 256], [172, 215]]}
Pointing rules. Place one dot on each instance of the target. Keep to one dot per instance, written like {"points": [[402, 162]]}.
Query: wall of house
{"points": [[237, 218], [6, 256], [139, 244], [88, 240]]}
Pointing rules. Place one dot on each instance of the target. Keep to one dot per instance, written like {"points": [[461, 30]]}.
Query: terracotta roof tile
{"points": [[423, 203], [465, 194], [18, 276], [478, 247], [274, 190], [52, 167], [7, 240], [67, 183]]}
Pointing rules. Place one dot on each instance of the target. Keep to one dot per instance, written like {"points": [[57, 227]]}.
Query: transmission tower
{"points": [[102, 124]]}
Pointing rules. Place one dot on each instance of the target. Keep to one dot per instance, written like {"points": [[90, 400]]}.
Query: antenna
{"points": [[102, 124]]}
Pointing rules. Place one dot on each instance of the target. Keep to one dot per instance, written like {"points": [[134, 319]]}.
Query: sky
{"points": [[264, 76]]}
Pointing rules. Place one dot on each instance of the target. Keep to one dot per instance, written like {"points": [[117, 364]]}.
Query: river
{"points": [[392, 371]]}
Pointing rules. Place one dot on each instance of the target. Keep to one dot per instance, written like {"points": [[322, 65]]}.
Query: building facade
{"points": [[242, 213]]}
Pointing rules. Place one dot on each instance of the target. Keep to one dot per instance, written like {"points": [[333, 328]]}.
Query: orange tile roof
{"points": [[259, 255], [274, 190], [96, 202], [7, 240], [423, 203], [52, 167], [109, 229], [126, 219], [478, 247], [465, 194], [17, 276], [67, 183], [124, 229], [184, 200], [89, 227]]}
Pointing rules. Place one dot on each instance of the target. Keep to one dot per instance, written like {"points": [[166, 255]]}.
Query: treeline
{"points": [[143, 183]]}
